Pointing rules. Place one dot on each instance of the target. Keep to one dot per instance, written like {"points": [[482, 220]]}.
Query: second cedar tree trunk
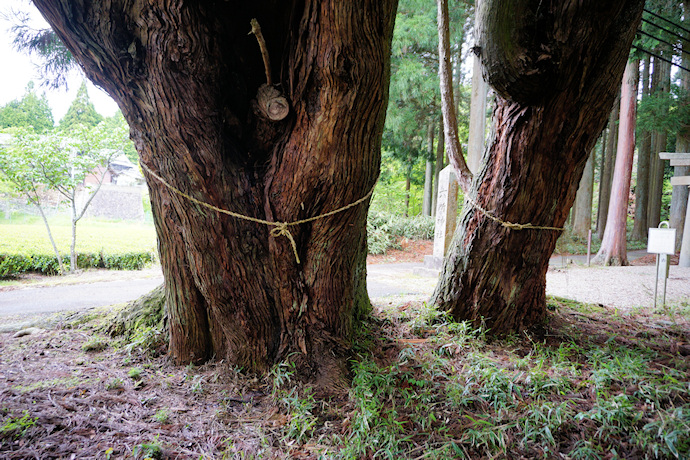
{"points": [[556, 71], [613, 249]]}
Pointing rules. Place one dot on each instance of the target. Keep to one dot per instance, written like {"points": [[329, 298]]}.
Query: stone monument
{"points": [[446, 216]]}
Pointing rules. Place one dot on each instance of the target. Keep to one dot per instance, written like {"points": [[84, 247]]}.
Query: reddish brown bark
{"points": [[555, 89], [186, 75], [613, 249]]}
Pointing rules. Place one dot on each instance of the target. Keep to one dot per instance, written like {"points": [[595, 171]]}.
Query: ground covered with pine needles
{"points": [[593, 383]]}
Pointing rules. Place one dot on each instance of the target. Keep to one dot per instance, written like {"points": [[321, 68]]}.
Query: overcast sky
{"points": [[18, 69]]}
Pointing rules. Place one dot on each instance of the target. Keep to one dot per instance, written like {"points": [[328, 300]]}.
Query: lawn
{"points": [[93, 236], [24, 244]]}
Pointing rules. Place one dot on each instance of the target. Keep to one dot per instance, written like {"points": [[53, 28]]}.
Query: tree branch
{"points": [[450, 119]]}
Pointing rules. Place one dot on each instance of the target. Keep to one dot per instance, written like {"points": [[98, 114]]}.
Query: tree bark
{"points": [[607, 173], [408, 180], [582, 210], [602, 161], [613, 250], [428, 172], [656, 181], [555, 89], [187, 77], [639, 232], [440, 154]]}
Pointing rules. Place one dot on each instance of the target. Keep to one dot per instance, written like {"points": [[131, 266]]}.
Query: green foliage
{"points": [[114, 384], [31, 112], [162, 416], [46, 264], [56, 60], [383, 230], [375, 429], [81, 112], [61, 162], [145, 340], [378, 239], [135, 373], [95, 344], [414, 100], [13, 428], [390, 194], [298, 403], [147, 451]]}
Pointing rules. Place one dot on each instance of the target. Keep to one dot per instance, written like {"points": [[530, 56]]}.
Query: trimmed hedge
{"points": [[15, 264]]}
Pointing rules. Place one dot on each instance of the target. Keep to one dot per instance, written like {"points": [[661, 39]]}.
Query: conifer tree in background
{"points": [[81, 111], [29, 111]]}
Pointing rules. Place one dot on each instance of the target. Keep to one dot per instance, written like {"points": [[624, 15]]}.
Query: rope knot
{"points": [[281, 229]]}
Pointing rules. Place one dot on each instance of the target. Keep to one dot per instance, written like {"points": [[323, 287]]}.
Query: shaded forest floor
{"points": [[593, 383]]}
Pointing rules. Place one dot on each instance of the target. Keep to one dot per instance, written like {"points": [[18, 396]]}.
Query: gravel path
{"points": [[625, 288], [621, 287]]}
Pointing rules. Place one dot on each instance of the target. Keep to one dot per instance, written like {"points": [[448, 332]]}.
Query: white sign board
{"points": [[661, 241]]}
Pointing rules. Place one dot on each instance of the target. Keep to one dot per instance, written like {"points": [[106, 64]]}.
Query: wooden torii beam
{"points": [[681, 159]]}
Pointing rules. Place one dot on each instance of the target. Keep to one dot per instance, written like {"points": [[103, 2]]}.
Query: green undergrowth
{"points": [[593, 384], [384, 230]]}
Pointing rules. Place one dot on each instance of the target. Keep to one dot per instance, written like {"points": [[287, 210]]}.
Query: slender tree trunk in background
{"points": [[550, 110], [607, 174], [61, 265], [640, 226], [408, 179], [656, 187], [450, 119], [613, 249], [679, 199], [428, 173], [191, 88], [582, 210], [440, 154], [602, 160], [480, 89]]}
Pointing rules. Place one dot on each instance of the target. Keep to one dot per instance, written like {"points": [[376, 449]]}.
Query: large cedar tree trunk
{"points": [[556, 69], [186, 76]]}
